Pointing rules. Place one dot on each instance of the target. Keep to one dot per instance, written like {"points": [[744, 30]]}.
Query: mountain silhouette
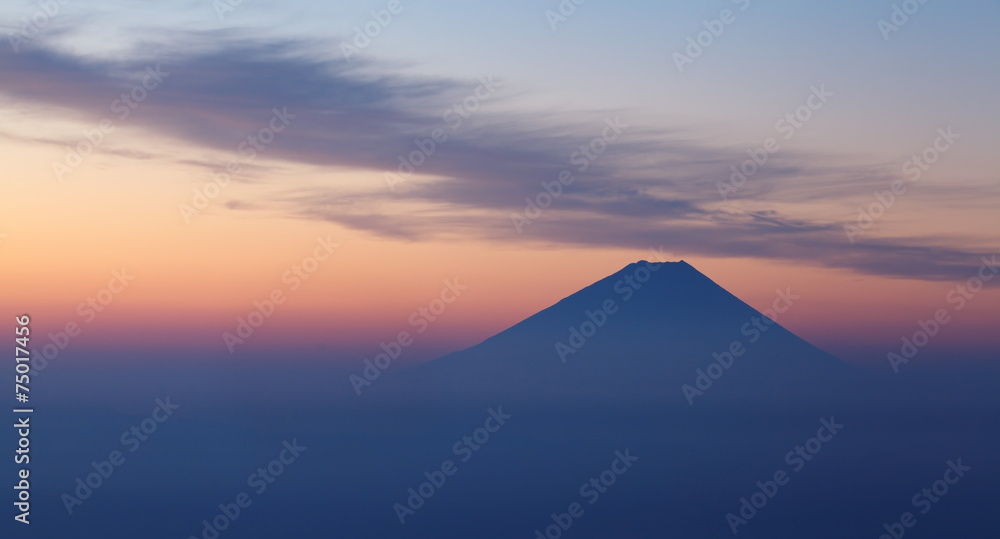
{"points": [[658, 331]]}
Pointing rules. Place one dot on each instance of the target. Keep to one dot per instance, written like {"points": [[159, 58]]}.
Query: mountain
{"points": [[654, 331]]}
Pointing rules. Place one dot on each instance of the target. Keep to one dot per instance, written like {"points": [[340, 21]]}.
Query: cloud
{"points": [[653, 185]]}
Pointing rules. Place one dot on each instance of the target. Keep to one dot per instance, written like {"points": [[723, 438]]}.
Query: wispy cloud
{"points": [[655, 186]]}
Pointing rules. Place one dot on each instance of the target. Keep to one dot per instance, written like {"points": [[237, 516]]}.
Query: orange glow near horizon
{"points": [[64, 241]]}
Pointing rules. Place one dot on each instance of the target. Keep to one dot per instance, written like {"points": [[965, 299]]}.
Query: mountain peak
{"points": [[656, 266], [657, 278], [648, 263]]}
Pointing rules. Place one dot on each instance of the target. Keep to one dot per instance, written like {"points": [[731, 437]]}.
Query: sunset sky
{"points": [[494, 101]]}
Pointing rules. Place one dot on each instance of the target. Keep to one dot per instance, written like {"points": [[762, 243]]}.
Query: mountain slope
{"points": [[646, 331]]}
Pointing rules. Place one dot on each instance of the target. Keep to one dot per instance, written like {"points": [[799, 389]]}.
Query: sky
{"points": [[184, 164]]}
